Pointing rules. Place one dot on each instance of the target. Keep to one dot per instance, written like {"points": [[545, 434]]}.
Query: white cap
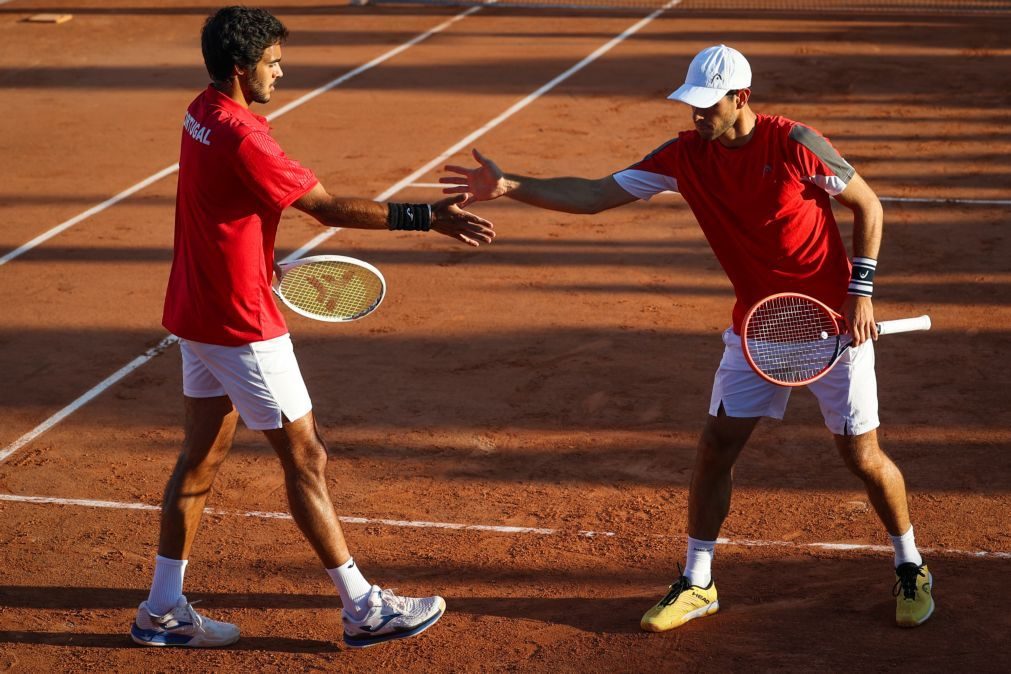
{"points": [[713, 72]]}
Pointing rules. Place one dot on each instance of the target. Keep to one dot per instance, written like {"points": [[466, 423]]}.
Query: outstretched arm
{"points": [[447, 217], [868, 224], [571, 195]]}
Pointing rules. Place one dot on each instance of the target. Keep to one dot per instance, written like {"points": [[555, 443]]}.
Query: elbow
{"points": [[597, 203]]}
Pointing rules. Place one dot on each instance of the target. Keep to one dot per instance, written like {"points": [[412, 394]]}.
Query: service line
{"points": [[499, 529]]}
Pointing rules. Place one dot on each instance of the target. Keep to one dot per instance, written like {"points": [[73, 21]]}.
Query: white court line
{"points": [[415, 524], [59, 416], [64, 226], [918, 200], [941, 200], [87, 397], [169, 170], [512, 110]]}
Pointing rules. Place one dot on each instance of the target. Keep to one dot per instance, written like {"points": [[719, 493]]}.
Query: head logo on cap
{"points": [[713, 72]]}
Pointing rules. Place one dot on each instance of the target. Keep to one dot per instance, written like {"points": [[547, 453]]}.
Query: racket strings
{"points": [[332, 289], [792, 339]]}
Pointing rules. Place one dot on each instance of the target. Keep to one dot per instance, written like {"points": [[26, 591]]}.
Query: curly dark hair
{"points": [[237, 36]]}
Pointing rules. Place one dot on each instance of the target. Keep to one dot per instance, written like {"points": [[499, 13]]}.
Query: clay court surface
{"points": [[555, 380]]}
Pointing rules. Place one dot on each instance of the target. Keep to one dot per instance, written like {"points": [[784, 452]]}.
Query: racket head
{"points": [[331, 288], [792, 339]]}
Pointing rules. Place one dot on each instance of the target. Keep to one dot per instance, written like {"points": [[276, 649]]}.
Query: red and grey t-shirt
{"points": [[764, 207], [234, 181]]}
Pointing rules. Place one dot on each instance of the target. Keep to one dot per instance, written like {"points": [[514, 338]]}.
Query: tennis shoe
{"points": [[390, 617], [914, 598], [683, 602], [181, 626]]}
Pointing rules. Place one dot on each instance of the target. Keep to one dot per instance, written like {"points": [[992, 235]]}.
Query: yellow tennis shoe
{"points": [[683, 602], [914, 599]]}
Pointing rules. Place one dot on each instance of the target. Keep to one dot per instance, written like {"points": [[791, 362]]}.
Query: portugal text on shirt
{"points": [[199, 132]]}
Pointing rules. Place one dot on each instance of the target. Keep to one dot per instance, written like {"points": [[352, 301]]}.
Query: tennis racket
{"points": [[792, 340], [331, 288]]}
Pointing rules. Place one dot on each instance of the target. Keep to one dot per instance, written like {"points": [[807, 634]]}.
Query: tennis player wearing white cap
{"points": [[760, 187]]}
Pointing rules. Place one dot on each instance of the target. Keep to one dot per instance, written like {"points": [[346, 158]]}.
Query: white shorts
{"points": [[262, 379], [847, 395]]}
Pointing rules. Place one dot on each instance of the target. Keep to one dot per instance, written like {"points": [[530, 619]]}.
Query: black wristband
{"points": [[862, 277], [409, 217]]}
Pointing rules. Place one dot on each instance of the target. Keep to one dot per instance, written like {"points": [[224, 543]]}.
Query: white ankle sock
{"points": [[905, 548], [353, 588], [699, 564], [167, 586]]}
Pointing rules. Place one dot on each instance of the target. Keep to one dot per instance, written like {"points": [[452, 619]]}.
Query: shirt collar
{"points": [[219, 99]]}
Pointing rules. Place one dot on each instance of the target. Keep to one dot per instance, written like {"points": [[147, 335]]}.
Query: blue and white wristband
{"points": [[862, 277]]}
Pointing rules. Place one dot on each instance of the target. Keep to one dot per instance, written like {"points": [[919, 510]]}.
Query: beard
{"points": [[259, 91]]}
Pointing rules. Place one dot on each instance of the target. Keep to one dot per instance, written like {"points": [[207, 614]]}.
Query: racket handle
{"points": [[904, 325]]}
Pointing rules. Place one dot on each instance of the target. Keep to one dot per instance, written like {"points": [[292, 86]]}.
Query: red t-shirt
{"points": [[234, 181], [764, 207]]}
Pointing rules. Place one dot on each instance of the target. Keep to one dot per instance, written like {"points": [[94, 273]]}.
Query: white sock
{"points": [[167, 586], [699, 565], [353, 588], [905, 548]]}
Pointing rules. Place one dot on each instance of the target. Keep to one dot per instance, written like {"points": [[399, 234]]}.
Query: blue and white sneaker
{"points": [[391, 617], [182, 626]]}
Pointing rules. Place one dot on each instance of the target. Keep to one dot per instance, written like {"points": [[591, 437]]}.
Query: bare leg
{"points": [[303, 457], [721, 442], [885, 487], [210, 427]]}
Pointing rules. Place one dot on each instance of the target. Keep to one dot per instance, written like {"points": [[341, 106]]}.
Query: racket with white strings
{"points": [[792, 339], [332, 288]]}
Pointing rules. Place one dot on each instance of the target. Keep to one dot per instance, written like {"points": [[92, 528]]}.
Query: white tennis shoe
{"points": [[391, 617], [181, 626]]}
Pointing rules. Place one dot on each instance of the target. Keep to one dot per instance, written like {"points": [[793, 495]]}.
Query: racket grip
{"points": [[904, 325]]}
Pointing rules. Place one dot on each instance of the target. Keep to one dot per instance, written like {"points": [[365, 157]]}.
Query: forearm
{"points": [[569, 195], [868, 226], [350, 213]]}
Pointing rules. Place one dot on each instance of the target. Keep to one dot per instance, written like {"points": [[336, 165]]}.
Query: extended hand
{"points": [[449, 219], [482, 183]]}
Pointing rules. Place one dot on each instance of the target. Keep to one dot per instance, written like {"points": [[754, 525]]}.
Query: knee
{"points": [[866, 461], [715, 454], [308, 459], [199, 470]]}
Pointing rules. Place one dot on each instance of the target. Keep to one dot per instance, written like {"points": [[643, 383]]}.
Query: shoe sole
{"points": [[178, 644], [702, 612], [359, 642]]}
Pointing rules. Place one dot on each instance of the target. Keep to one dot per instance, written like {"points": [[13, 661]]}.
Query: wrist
{"points": [[862, 277]]}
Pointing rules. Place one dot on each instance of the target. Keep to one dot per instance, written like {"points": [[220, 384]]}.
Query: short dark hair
{"points": [[237, 36]]}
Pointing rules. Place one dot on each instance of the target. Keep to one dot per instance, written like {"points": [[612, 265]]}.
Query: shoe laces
{"points": [[194, 617], [676, 588], [396, 602], [908, 574]]}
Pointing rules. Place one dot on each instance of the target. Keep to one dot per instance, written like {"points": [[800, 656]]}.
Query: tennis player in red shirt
{"points": [[234, 182], [760, 187]]}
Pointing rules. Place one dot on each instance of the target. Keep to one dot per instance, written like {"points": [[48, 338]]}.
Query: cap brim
{"points": [[698, 97]]}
